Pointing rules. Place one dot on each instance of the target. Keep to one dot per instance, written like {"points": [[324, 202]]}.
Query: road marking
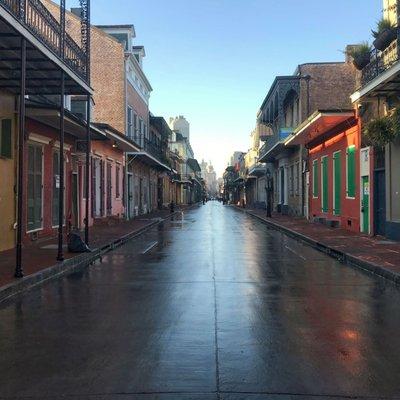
{"points": [[295, 252], [150, 247]]}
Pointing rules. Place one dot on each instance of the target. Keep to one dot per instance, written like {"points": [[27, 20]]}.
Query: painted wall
{"points": [[350, 208], [8, 179], [393, 190]]}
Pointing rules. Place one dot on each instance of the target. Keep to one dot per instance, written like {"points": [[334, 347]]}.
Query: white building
{"points": [[181, 125]]}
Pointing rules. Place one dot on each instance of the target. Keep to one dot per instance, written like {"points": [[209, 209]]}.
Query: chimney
{"points": [[77, 11], [347, 52]]}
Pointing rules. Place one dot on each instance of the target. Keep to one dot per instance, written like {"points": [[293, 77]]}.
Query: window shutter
{"points": [[6, 138], [351, 171]]}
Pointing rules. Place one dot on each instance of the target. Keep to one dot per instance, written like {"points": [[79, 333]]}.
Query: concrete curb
{"points": [[343, 257], [73, 264]]}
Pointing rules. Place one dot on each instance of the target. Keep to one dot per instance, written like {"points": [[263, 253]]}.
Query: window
{"points": [[130, 123], [78, 108], [117, 182], [140, 126], [145, 130], [35, 187], [315, 187], [351, 172], [6, 138], [135, 124]]}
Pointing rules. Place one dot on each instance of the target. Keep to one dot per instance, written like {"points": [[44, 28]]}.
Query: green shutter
{"points": [[324, 167], [337, 183], [351, 171], [315, 179], [6, 139]]}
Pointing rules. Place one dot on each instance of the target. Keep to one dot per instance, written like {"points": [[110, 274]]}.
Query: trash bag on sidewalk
{"points": [[76, 244]]}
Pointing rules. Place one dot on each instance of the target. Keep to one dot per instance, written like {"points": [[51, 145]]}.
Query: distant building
{"points": [[235, 159], [181, 125], [210, 177]]}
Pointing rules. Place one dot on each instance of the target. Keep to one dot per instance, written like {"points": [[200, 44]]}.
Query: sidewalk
{"points": [[375, 254], [39, 258]]}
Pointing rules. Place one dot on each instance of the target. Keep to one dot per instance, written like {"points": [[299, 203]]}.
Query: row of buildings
{"points": [[327, 141], [78, 142]]}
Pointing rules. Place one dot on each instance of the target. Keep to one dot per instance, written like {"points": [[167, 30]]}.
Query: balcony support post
{"points": [[19, 272], [87, 169], [60, 254]]}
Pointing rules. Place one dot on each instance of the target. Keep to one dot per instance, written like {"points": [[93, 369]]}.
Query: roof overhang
{"points": [[149, 160], [119, 140], [72, 125], [321, 122], [383, 85]]}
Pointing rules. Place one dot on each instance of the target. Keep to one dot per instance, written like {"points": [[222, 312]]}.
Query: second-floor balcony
{"points": [[49, 48], [381, 76], [257, 169], [274, 144], [156, 152]]}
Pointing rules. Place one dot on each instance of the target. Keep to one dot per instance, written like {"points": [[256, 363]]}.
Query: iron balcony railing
{"points": [[279, 136], [154, 149], [34, 16], [380, 62]]}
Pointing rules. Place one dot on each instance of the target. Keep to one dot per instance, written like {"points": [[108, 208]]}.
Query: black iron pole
{"points": [[60, 255], [19, 272], [87, 177]]}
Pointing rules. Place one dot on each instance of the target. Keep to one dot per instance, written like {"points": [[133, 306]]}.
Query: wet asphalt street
{"points": [[211, 305]]}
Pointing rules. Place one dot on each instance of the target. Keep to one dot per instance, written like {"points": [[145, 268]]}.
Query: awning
{"points": [[321, 122], [50, 115]]}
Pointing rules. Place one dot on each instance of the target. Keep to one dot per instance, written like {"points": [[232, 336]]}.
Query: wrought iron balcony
{"points": [[380, 62], [273, 141], [154, 149], [35, 17]]}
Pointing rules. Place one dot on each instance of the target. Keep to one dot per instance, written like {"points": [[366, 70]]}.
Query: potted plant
{"points": [[385, 33], [383, 130], [361, 54]]}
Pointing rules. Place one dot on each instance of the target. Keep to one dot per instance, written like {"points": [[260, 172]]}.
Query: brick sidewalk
{"points": [[373, 253], [42, 254]]}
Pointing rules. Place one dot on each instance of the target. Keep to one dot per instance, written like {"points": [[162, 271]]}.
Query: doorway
{"points": [[130, 204], [379, 202], [75, 201], [365, 203], [109, 189]]}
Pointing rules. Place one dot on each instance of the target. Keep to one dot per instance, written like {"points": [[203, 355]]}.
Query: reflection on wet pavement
{"points": [[211, 305]]}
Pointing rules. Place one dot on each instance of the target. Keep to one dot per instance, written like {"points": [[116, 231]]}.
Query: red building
{"points": [[333, 140]]}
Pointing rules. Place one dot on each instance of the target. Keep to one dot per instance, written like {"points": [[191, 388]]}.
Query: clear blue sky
{"points": [[214, 60]]}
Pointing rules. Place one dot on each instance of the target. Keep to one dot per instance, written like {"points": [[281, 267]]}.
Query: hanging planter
{"points": [[361, 55], [384, 35], [383, 130]]}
